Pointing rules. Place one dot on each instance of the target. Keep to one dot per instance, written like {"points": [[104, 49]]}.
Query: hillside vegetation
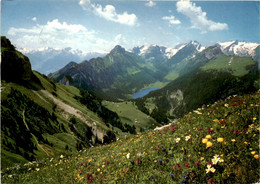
{"points": [[217, 143], [41, 118]]}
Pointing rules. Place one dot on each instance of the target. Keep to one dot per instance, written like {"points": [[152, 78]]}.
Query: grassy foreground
{"points": [[214, 144]]}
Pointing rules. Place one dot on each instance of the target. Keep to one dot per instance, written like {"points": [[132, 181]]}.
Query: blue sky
{"points": [[90, 25]]}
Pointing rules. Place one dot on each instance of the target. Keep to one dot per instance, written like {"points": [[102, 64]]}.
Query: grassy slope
{"points": [[232, 126], [59, 140], [129, 114]]}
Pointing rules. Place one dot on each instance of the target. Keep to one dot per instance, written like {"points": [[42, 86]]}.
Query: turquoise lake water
{"points": [[140, 94]]}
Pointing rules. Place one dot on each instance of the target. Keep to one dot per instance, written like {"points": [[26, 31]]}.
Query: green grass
{"points": [[237, 66], [231, 126], [129, 114]]}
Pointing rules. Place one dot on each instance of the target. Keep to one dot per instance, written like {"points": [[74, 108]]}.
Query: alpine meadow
{"points": [[130, 92]]}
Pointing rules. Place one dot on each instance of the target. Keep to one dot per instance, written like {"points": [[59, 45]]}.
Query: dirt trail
{"points": [[71, 110]]}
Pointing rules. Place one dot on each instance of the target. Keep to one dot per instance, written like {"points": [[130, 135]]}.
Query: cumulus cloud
{"points": [[120, 40], [172, 20], [109, 13], [34, 19], [150, 3], [199, 18], [56, 34]]}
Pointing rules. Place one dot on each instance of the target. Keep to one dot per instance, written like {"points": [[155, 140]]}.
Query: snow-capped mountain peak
{"points": [[238, 48]]}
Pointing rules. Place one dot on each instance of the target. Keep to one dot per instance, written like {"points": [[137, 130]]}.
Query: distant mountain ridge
{"points": [[121, 73], [48, 60]]}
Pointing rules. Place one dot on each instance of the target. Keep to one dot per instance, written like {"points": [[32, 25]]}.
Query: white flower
{"points": [[187, 138], [51, 159], [61, 156], [197, 112], [128, 155], [210, 169], [177, 140], [226, 105], [10, 176], [37, 169]]}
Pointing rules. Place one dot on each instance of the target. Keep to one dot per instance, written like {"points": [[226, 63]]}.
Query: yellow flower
{"points": [[222, 127], [250, 149], [220, 139], [155, 161], [252, 105], [254, 119], [233, 140], [204, 141], [215, 120], [209, 144], [224, 143], [245, 143], [188, 155], [256, 156], [252, 152], [208, 137], [201, 158], [103, 166], [98, 169]]}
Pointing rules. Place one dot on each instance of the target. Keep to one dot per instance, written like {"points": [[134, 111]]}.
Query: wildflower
{"points": [[107, 162], [198, 163], [210, 169], [103, 166], [233, 140], [211, 181], [10, 176], [216, 120], [200, 128], [208, 137], [236, 132], [252, 152], [160, 162], [128, 155], [208, 144], [210, 130], [187, 138], [177, 140], [61, 156], [254, 119], [37, 169], [51, 159], [204, 141], [220, 139], [187, 165], [245, 143], [98, 169], [256, 156], [171, 175], [201, 158]]}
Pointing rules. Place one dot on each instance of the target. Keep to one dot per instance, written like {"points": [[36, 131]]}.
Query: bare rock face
{"points": [[15, 66]]}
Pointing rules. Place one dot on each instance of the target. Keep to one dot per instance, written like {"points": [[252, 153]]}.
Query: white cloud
{"points": [[56, 34], [34, 19], [199, 18], [172, 20], [150, 3], [120, 40], [109, 13]]}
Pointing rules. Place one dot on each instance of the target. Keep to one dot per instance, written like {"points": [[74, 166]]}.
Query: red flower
{"points": [[210, 130], [198, 163], [104, 177], [211, 181], [122, 172], [209, 163], [176, 166], [107, 162], [222, 121], [81, 164], [187, 165], [86, 163], [236, 132], [200, 128]]}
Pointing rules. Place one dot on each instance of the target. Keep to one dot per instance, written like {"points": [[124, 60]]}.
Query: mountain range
{"points": [[47, 60], [121, 73], [44, 116]]}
